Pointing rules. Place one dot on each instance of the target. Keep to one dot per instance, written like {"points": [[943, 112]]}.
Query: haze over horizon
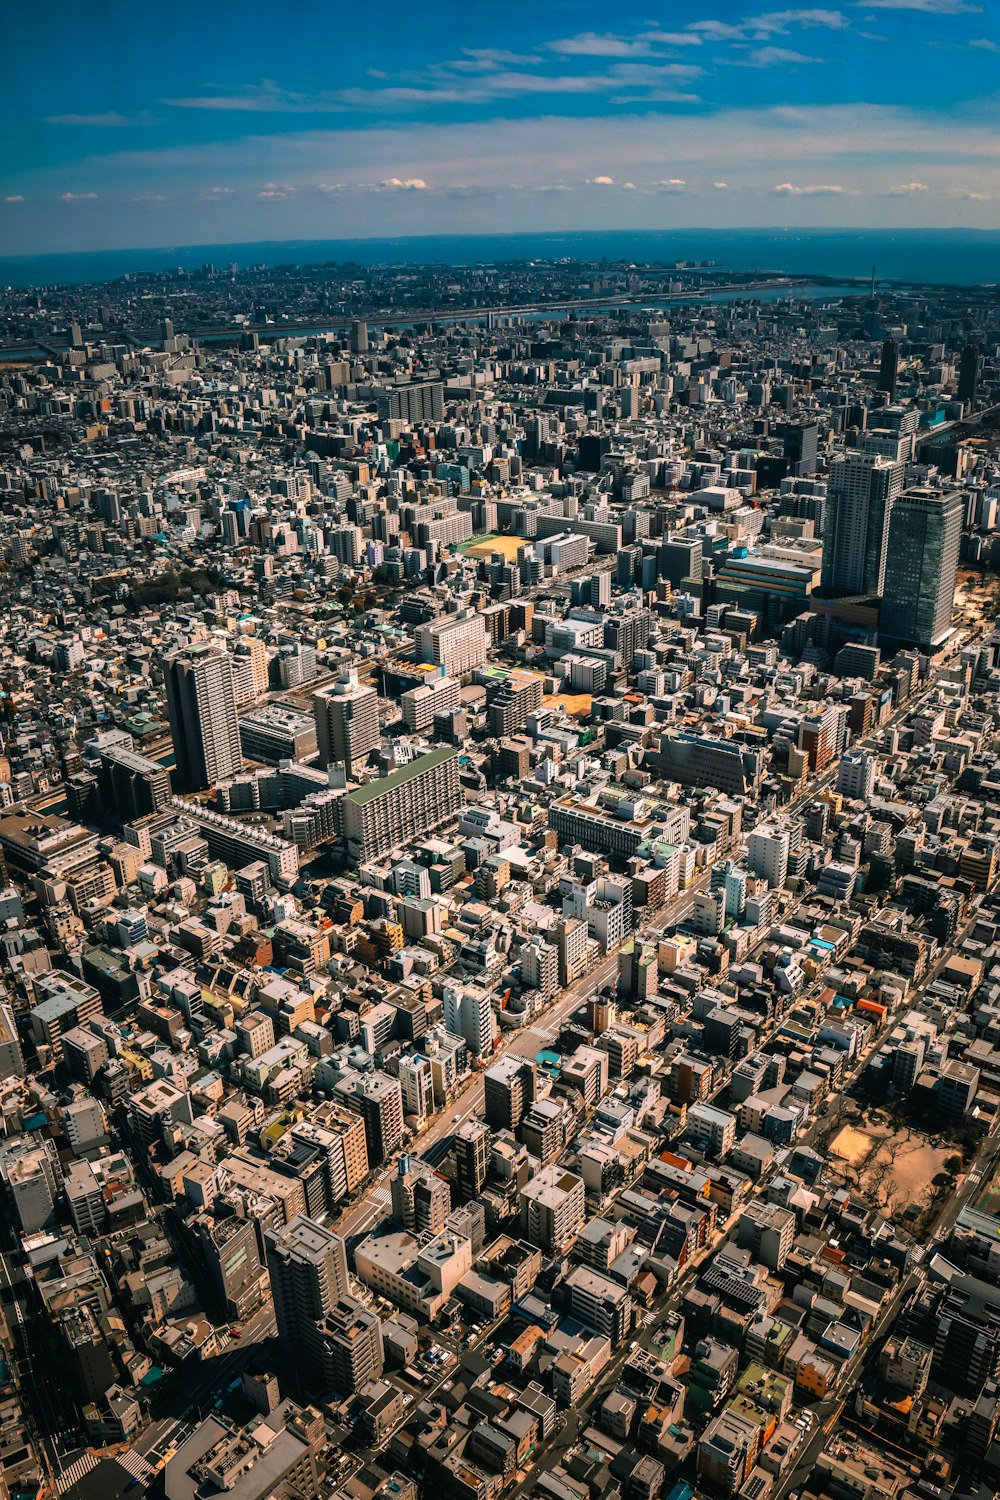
{"points": [[211, 125]]}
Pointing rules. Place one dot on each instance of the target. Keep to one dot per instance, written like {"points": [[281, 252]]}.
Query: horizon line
{"points": [[544, 234]]}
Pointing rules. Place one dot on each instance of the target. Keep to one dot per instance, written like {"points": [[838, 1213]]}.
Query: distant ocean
{"points": [[958, 257]]}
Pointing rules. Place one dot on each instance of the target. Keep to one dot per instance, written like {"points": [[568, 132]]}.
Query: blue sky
{"points": [[136, 125]]}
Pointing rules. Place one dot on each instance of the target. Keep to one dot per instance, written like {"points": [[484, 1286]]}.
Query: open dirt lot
{"points": [[508, 545], [895, 1167]]}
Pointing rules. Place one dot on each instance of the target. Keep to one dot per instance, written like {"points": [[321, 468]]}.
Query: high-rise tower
{"points": [[308, 1270], [347, 727], [889, 368], [925, 536], [201, 707], [860, 496]]}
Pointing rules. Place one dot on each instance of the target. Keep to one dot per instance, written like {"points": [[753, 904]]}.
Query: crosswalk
{"points": [[133, 1463], [77, 1471], [136, 1465]]}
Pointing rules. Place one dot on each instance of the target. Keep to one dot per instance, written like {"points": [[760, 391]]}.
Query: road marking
{"points": [[77, 1471], [136, 1465]]}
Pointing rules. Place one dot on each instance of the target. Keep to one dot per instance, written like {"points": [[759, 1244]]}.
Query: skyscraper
{"points": [[860, 496], [472, 1156], [347, 727], [889, 368], [308, 1270], [968, 373], [201, 707], [925, 535]]}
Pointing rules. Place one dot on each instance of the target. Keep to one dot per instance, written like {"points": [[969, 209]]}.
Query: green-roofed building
{"points": [[388, 813]]}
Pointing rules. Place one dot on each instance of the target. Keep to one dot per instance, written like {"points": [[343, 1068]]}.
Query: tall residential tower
{"points": [[860, 497], [201, 707], [924, 541]]}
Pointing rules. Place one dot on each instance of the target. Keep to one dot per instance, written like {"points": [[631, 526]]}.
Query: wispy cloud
{"points": [[718, 31], [773, 57], [14, 198], [111, 120], [771, 23], [902, 188], [611, 44], [671, 38], [592, 44], [778, 22], [77, 197], [493, 57], [813, 190], [984, 44], [467, 80], [925, 7]]}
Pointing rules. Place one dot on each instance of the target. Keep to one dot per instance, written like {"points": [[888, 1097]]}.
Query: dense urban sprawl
{"points": [[499, 906]]}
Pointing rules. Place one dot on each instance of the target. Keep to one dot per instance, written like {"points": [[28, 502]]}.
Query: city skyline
{"points": [[198, 127]]}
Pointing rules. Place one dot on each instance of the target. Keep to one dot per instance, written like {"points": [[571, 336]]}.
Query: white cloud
{"points": [[150, 198], [778, 22], [602, 181], [407, 184], [492, 57], [925, 7], [14, 198], [718, 31], [609, 44], [772, 23], [111, 120], [813, 190], [722, 186], [869, 147], [908, 187], [773, 57], [454, 83], [591, 44], [984, 44], [629, 187], [77, 197], [669, 184], [671, 38]]}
